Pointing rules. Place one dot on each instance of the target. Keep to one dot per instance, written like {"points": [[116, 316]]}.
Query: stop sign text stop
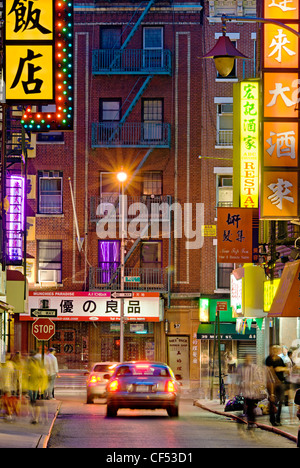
{"points": [[43, 329]]}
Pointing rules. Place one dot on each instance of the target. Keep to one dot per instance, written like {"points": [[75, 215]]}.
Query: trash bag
{"points": [[236, 404], [297, 397]]}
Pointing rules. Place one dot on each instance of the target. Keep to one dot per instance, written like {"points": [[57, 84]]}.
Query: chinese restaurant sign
{"points": [[15, 216], [249, 144], [237, 235], [93, 306], [38, 61], [280, 142]]}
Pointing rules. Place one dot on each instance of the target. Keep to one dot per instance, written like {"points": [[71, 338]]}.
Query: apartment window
{"points": [[225, 124], [110, 110], [152, 116], [151, 255], [153, 47], [49, 261], [223, 275], [50, 187], [108, 259], [224, 190], [110, 38], [152, 183]]}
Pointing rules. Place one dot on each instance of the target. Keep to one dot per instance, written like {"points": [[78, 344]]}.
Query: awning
{"points": [[227, 332], [286, 302], [6, 307]]}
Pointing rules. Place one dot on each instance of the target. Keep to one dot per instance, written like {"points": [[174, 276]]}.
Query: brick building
{"points": [[145, 102]]}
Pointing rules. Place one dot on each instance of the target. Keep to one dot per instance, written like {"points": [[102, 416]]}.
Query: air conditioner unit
{"points": [[47, 276]]}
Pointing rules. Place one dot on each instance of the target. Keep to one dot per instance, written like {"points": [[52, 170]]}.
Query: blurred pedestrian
{"points": [[252, 384], [276, 365], [51, 366], [36, 382], [8, 388]]}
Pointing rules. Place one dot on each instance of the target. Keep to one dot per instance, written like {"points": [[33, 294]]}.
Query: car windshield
{"points": [[102, 368], [140, 369]]}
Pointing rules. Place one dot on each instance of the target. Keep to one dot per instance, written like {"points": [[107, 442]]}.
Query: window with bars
{"points": [[49, 261], [50, 187]]}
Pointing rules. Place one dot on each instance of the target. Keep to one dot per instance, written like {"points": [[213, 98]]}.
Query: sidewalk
{"points": [[288, 429], [20, 433]]}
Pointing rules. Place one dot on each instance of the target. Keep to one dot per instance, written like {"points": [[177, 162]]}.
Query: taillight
{"points": [[113, 385], [170, 386], [94, 379]]}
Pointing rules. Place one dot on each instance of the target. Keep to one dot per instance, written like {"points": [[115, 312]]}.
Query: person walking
{"points": [[51, 366], [276, 398], [252, 384]]}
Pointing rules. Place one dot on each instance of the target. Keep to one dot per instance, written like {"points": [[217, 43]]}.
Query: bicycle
{"points": [[222, 389]]}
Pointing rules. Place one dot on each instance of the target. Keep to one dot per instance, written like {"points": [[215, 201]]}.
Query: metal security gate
{"points": [[244, 348]]}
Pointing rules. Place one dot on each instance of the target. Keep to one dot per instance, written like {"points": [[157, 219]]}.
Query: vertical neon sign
{"points": [[15, 194]]}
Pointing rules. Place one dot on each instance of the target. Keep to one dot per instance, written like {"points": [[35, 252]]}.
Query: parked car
{"points": [[142, 385], [97, 380]]}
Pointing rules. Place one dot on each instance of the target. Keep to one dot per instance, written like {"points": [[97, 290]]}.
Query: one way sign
{"points": [[121, 295]]}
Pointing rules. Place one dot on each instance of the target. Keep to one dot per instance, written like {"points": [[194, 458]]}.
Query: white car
{"points": [[96, 383]]}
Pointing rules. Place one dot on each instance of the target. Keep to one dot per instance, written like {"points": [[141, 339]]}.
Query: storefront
{"points": [[87, 325]]}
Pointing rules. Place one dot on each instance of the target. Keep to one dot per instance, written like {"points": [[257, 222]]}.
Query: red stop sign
{"points": [[43, 329]]}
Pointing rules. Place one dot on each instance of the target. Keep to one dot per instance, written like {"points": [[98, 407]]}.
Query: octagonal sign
{"points": [[43, 329]]}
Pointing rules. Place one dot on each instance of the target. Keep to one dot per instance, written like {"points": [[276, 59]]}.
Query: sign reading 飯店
{"points": [[29, 51]]}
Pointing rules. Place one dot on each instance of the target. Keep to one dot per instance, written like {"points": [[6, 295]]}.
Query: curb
{"points": [[43, 442], [264, 427]]}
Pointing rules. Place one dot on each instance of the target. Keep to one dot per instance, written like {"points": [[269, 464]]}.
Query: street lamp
{"points": [[224, 52], [122, 177]]}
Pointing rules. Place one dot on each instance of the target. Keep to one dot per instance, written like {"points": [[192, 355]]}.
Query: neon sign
{"points": [[15, 194], [249, 144]]}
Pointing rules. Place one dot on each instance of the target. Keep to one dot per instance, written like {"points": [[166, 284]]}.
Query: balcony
{"points": [[136, 279], [131, 62], [155, 207], [131, 135]]}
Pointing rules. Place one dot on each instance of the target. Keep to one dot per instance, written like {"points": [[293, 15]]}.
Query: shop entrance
{"points": [[71, 342]]}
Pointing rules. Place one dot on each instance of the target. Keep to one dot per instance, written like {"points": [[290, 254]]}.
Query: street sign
{"points": [[132, 279], [43, 329], [121, 295], [43, 313]]}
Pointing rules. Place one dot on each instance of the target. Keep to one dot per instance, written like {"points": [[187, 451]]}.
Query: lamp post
{"points": [[224, 52], [122, 177]]}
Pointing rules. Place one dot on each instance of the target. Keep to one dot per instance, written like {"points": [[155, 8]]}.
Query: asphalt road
{"points": [[79, 425]]}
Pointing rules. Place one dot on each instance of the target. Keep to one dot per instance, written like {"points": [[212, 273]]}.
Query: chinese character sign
{"points": [[15, 219], [38, 54], [279, 190], [249, 144], [237, 235]]}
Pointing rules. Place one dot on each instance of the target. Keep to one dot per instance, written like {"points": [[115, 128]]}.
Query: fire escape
{"points": [[144, 64]]}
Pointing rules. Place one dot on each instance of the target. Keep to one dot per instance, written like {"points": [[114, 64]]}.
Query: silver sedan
{"points": [[142, 385]]}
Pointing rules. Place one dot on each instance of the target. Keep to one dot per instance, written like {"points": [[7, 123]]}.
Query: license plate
{"points": [[142, 388]]}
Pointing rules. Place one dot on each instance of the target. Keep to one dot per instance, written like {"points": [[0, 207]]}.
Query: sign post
{"points": [[43, 329]]}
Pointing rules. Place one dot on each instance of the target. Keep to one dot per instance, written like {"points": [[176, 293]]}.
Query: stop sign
{"points": [[43, 329]]}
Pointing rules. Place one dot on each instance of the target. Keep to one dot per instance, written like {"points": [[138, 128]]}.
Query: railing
{"points": [[131, 61], [136, 279], [224, 138], [151, 207], [128, 134]]}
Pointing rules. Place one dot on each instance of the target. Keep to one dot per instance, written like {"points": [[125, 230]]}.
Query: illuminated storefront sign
{"points": [[38, 44], [280, 142], [249, 144], [93, 306], [15, 219], [270, 288]]}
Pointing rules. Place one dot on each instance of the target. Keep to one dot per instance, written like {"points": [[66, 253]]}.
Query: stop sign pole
{"points": [[43, 329]]}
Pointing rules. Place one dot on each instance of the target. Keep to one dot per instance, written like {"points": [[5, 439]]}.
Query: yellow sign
{"points": [[29, 72], [29, 21], [209, 230], [270, 288], [249, 144]]}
